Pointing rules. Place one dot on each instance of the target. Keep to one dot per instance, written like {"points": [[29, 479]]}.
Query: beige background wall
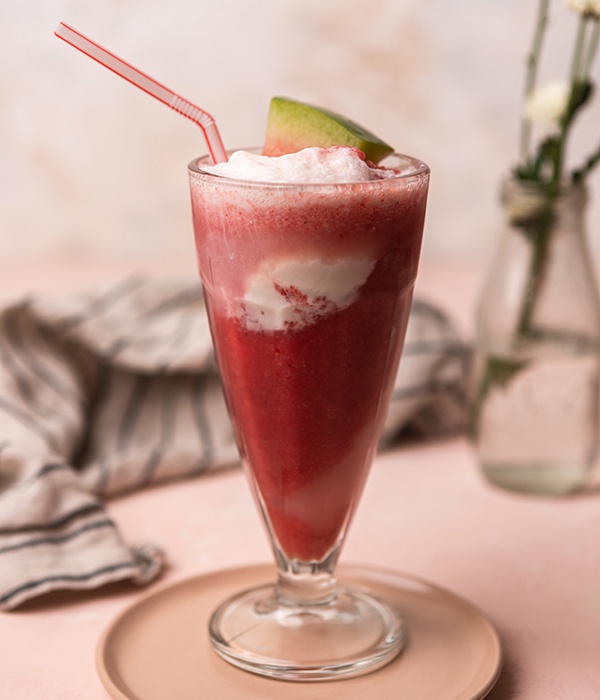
{"points": [[90, 166]]}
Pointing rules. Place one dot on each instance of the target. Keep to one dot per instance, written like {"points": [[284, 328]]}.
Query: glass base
{"points": [[351, 634], [544, 479]]}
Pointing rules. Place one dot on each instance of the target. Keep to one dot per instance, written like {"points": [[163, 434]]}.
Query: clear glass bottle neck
{"points": [[526, 202]]}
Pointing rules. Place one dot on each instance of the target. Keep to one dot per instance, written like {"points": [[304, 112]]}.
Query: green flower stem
{"points": [[577, 61], [576, 81], [592, 47], [548, 164], [533, 60], [535, 279], [541, 236]]}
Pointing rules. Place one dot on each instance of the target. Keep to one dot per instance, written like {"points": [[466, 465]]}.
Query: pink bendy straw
{"points": [[149, 85]]}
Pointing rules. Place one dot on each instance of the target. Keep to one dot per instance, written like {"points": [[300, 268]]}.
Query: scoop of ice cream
{"points": [[311, 165], [298, 293]]}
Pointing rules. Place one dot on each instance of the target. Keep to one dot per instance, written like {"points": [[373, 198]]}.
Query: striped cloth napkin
{"points": [[112, 391]]}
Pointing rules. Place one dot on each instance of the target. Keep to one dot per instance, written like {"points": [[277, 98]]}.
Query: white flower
{"points": [[547, 105], [585, 7]]}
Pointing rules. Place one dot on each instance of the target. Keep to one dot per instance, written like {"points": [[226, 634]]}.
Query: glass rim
{"points": [[414, 168]]}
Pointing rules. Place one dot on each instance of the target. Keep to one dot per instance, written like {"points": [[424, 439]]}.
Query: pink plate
{"points": [[159, 648]]}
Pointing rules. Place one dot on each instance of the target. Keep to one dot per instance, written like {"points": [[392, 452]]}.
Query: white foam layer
{"points": [[295, 293], [311, 165]]}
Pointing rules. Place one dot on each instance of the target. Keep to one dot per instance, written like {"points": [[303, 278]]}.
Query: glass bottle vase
{"points": [[535, 389]]}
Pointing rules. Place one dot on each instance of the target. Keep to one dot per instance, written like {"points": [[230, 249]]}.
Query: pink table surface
{"points": [[532, 565]]}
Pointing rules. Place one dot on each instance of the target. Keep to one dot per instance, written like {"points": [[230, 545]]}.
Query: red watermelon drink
{"points": [[308, 263]]}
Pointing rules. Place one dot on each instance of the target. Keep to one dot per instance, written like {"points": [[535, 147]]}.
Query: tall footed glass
{"points": [[308, 288]]}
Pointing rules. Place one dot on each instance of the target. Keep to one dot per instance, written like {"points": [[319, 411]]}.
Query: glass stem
{"points": [[307, 583]]}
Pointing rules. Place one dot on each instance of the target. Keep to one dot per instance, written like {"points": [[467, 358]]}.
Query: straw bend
{"points": [[143, 81]]}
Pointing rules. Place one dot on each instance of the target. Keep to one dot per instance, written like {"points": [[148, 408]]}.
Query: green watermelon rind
{"points": [[294, 125]]}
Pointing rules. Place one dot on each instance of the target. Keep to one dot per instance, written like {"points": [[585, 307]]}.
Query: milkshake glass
{"points": [[308, 288]]}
